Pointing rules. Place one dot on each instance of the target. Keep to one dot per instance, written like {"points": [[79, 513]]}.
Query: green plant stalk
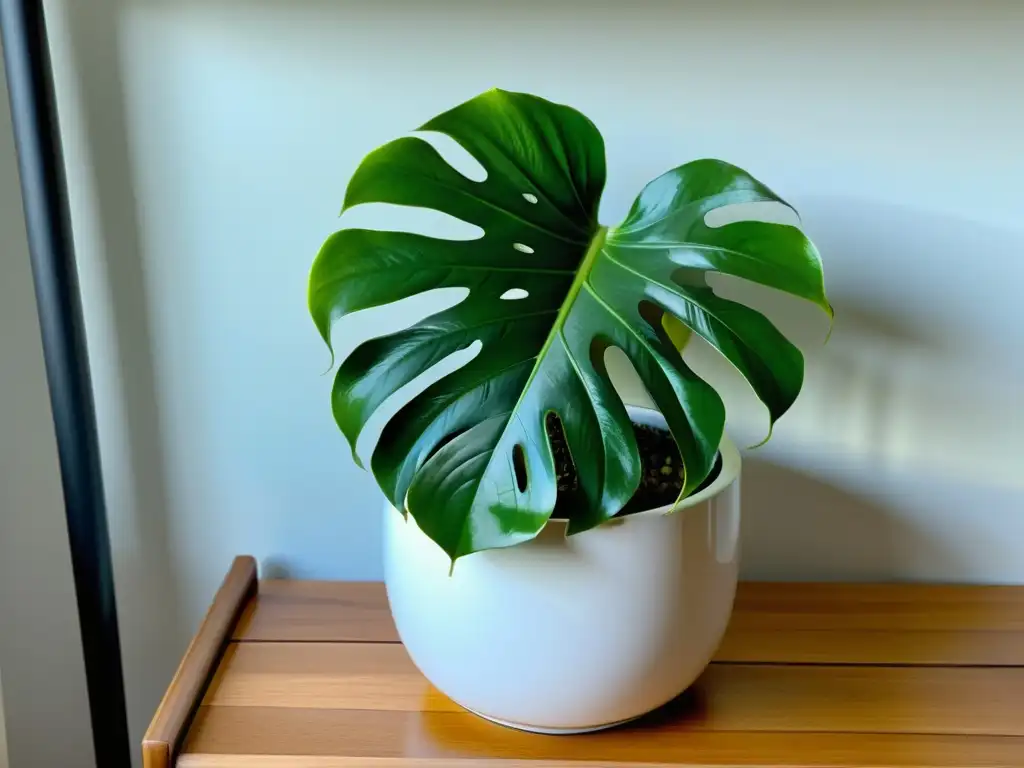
{"points": [[582, 273]]}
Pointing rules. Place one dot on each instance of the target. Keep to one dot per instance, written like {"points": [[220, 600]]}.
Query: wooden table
{"points": [[297, 674]]}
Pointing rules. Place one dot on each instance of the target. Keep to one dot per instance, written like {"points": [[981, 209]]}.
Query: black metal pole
{"points": [[44, 193]]}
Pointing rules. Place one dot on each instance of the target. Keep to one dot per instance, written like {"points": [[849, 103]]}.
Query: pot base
{"points": [[550, 731], [642, 603]]}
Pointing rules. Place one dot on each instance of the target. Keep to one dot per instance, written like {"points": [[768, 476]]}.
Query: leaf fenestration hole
{"points": [[625, 379], [565, 466], [514, 294], [388, 217], [771, 212], [519, 465], [456, 155], [522, 248], [530, 198], [690, 277], [370, 435]]}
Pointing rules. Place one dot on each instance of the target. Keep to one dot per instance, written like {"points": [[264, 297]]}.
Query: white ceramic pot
{"points": [[571, 634]]}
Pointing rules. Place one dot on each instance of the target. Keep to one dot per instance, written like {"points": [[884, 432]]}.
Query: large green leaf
{"points": [[450, 455]]}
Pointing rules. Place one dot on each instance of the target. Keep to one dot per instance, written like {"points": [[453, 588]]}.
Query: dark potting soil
{"points": [[661, 478]]}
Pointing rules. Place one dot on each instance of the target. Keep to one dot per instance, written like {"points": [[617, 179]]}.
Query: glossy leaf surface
{"points": [[450, 455]]}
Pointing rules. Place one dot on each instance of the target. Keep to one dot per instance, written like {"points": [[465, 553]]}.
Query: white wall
{"points": [[86, 63], [224, 135], [45, 713]]}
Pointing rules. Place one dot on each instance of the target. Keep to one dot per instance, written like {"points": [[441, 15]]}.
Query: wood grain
{"points": [[318, 611], [728, 697], [871, 646], [809, 675], [323, 675], [229, 737], [772, 622], [167, 729], [904, 607]]}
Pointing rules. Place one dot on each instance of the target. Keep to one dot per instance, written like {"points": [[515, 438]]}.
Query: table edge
{"points": [[173, 716]]}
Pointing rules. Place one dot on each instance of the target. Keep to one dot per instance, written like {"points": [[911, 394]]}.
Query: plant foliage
{"points": [[449, 456]]}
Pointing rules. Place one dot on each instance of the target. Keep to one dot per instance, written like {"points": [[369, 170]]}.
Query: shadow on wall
{"points": [[108, 244], [785, 512], [929, 277], [901, 458], [921, 374], [276, 568], [891, 391]]}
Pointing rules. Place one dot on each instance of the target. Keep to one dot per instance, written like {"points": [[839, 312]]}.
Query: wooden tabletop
{"points": [[312, 675]]}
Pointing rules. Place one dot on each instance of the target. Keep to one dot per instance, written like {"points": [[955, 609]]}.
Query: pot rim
{"points": [[730, 471]]}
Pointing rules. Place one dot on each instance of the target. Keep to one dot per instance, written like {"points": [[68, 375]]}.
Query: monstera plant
{"points": [[550, 290]]}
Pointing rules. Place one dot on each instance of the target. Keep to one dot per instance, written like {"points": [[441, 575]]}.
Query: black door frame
{"points": [[44, 196]]}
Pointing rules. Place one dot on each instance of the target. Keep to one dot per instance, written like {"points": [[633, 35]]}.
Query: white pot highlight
{"points": [[570, 634]]}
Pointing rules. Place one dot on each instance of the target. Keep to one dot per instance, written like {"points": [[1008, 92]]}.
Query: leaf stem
{"points": [[582, 273]]}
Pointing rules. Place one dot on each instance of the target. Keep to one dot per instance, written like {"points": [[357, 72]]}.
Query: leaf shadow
{"points": [[797, 526]]}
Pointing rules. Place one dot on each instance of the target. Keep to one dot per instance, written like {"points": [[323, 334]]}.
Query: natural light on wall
{"points": [[900, 459]]}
